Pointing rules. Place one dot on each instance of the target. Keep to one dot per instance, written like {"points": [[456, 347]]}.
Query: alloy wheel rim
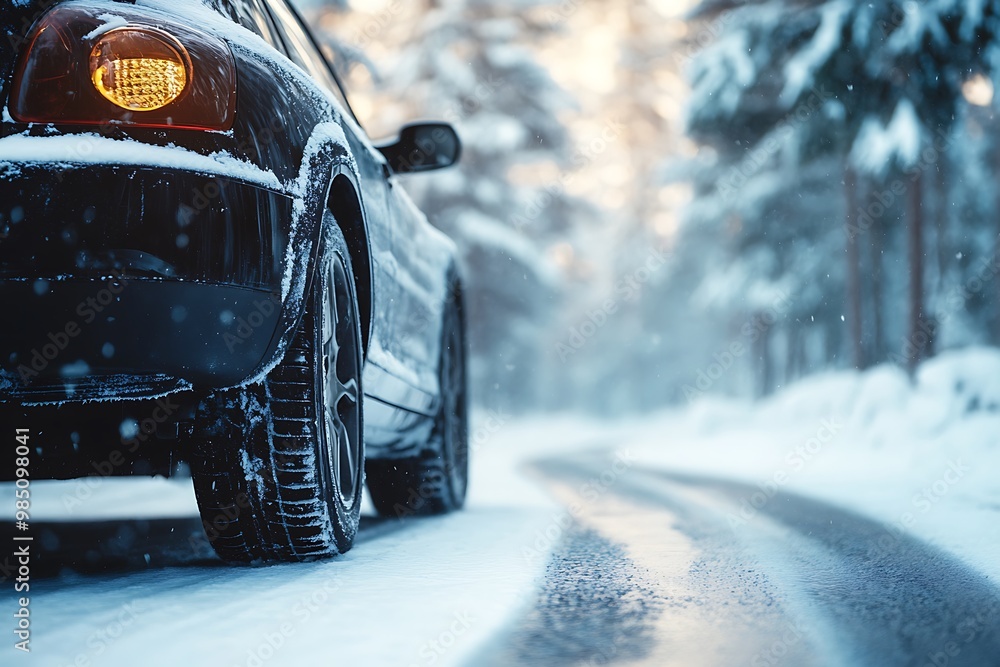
{"points": [[341, 395]]}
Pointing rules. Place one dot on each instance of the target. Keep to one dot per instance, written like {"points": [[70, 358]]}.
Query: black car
{"points": [[205, 265]]}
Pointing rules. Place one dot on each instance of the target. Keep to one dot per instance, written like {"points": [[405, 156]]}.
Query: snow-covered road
{"points": [[641, 566], [413, 593], [663, 571], [851, 521]]}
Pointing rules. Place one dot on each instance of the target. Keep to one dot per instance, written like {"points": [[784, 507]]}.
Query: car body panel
{"points": [[290, 141]]}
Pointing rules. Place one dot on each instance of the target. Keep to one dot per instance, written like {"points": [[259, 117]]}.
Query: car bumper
{"points": [[129, 280]]}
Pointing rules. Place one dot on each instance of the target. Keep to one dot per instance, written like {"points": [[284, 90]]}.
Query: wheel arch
{"points": [[344, 203], [328, 182]]}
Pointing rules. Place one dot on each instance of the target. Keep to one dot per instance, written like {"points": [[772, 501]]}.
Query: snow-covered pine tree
{"points": [[888, 80]]}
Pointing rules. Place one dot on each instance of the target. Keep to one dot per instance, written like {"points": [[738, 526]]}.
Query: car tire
{"points": [[435, 481], [278, 465]]}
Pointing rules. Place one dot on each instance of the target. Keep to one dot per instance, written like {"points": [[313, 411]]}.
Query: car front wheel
{"points": [[278, 465]]}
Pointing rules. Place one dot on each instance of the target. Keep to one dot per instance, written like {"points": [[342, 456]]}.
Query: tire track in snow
{"points": [[896, 601], [700, 604], [800, 583]]}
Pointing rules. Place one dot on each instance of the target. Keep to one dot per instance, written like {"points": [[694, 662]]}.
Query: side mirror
{"points": [[423, 147]]}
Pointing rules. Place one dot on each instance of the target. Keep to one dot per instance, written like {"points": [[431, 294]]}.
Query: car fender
{"points": [[327, 157]]}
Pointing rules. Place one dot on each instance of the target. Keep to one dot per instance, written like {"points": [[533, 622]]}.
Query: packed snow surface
{"points": [[919, 456]]}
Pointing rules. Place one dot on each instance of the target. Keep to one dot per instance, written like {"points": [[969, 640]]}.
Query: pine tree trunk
{"points": [[793, 353], [994, 333], [765, 365], [876, 237], [918, 341], [853, 269], [941, 227]]}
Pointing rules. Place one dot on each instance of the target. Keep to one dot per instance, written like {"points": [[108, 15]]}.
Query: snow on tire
{"points": [[278, 466]]}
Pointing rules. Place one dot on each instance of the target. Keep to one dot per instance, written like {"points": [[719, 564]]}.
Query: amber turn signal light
{"points": [[139, 69], [146, 71]]}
